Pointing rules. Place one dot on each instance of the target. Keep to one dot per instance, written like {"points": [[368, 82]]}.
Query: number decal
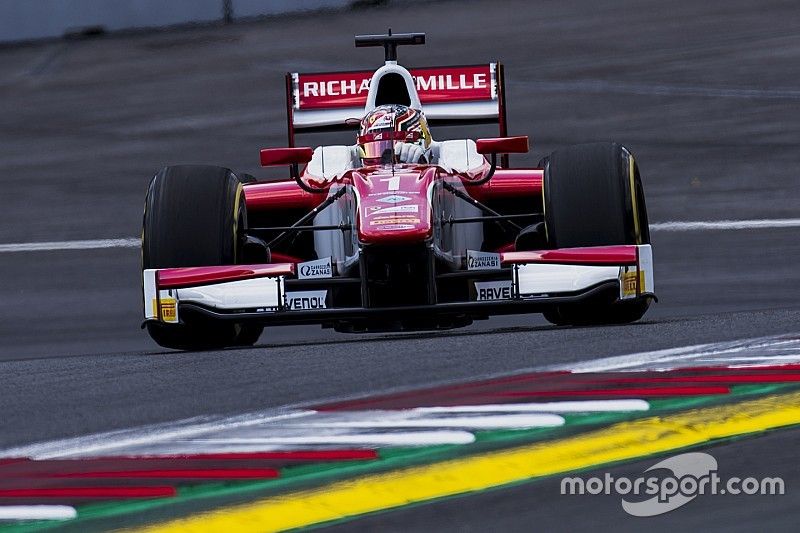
{"points": [[394, 183]]}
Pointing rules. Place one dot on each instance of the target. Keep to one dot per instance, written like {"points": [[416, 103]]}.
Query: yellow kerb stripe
{"points": [[626, 440]]}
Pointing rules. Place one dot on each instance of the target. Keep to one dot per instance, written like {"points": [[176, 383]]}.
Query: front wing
{"points": [[526, 282]]}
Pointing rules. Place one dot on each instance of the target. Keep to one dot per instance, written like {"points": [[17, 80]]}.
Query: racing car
{"points": [[360, 240]]}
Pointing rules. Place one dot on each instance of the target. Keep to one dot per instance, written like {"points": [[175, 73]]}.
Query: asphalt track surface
{"points": [[705, 94]]}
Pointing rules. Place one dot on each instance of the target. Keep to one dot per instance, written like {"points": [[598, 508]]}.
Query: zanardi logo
{"points": [[320, 268], [482, 260]]}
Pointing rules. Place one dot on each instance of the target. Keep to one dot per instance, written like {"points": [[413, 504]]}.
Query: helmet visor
{"points": [[376, 149], [374, 145]]}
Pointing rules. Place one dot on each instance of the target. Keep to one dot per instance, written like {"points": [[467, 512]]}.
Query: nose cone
{"points": [[394, 207]]}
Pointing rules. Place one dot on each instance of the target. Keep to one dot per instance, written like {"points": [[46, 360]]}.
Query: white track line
{"points": [[411, 438], [697, 225], [512, 421], [116, 442], [726, 224], [69, 245], [787, 347], [37, 512], [775, 360], [582, 406]]}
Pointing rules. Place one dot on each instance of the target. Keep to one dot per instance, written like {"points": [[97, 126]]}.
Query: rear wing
{"points": [[472, 94]]}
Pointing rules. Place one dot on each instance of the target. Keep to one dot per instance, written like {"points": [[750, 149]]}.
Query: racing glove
{"points": [[409, 153]]}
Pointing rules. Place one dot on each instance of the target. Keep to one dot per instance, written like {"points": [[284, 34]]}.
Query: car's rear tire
{"points": [[593, 196], [195, 216]]}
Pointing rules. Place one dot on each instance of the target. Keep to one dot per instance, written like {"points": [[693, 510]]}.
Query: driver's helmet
{"points": [[387, 124]]}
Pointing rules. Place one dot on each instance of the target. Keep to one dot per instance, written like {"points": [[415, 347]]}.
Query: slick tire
{"points": [[195, 216], [593, 196]]}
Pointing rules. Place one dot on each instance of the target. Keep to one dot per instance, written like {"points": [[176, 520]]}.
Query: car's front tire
{"points": [[593, 196], [195, 215]]}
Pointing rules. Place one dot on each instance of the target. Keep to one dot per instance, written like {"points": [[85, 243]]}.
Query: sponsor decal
{"points": [[493, 290], [398, 226], [350, 89], [482, 260], [383, 216], [168, 311], [389, 193], [306, 300], [627, 281], [394, 199], [408, 208], [395, 220], [320, 268]]}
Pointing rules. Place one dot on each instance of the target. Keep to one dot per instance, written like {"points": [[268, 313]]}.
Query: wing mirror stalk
{"points": [[273, 157], [498, 145]]}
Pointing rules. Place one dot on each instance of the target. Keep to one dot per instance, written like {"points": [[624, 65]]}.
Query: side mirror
{"points": [[273, 157], [498, 145], [503, 145]]}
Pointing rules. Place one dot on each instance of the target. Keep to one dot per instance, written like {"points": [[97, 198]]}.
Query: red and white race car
{"points": [[360, 244]]}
